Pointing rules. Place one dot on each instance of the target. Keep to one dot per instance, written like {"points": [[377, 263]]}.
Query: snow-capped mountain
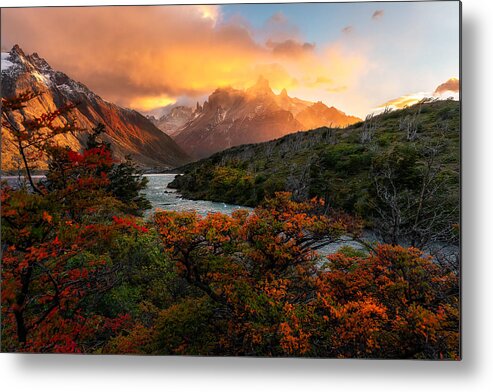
{"points": [[129, 132]]}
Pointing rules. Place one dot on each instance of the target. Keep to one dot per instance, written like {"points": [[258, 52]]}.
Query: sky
{"points": [[354, 56]]}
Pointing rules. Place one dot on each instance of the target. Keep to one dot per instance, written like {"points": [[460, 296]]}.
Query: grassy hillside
{"points": [[399, 170]]}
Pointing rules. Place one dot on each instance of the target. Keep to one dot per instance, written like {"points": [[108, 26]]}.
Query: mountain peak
{"points": [[17, 61], [261, 87], [234, 117], [320, 104], [319, 114], [39, 62], [16, 50]]}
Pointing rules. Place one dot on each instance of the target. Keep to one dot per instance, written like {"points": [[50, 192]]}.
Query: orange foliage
{"points": [[273, 297], [395, 301]]}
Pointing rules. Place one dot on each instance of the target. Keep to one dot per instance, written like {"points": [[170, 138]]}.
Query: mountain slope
{"points": [[129, 132], [232, 117]]}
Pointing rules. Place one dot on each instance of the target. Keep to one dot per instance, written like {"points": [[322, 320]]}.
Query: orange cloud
{"points": [[451, 85], [404, 101], [318, 81], [210, 12], [277, 76], [146, 57], [149, 103], [338, 89], [128, 52]]}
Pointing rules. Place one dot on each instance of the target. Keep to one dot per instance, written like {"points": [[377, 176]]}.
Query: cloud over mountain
{"points": [[148, 57], [451, 85]]}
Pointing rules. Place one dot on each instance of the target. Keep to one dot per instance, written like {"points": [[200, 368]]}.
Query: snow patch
{"points": [[40, 77], [6, 64]]}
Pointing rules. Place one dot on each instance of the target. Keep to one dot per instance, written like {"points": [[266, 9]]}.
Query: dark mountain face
{"points": [[129, 132], [232, 117]]}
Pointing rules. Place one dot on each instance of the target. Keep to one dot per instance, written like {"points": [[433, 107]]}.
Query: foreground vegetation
{"points": [[81, 272]]}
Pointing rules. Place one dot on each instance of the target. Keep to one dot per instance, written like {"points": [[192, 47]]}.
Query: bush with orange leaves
{"points": [[393, 303]]}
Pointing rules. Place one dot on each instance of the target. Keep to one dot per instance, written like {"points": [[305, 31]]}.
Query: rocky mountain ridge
{"points": [[231, 117]]}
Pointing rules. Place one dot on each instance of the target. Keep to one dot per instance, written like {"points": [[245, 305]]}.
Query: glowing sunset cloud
{"points": [[149, 103], [452, 85], [351, 56], [211, 12]]}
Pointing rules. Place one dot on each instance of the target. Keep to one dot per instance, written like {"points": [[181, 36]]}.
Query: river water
{"points": [[164, 198]]}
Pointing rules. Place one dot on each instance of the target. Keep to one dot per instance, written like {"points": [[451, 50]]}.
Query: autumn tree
{"points": [[122, 181]]}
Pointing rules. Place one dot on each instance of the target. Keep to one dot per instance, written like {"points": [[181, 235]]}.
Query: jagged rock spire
{"points": [[16, 50]]}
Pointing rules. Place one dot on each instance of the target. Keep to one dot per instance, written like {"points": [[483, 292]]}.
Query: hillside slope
{"points": [[351, 168]]}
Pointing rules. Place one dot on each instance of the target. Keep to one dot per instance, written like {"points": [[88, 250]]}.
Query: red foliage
{"points": [[259, 267], [130, 222], [94, 158]]}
